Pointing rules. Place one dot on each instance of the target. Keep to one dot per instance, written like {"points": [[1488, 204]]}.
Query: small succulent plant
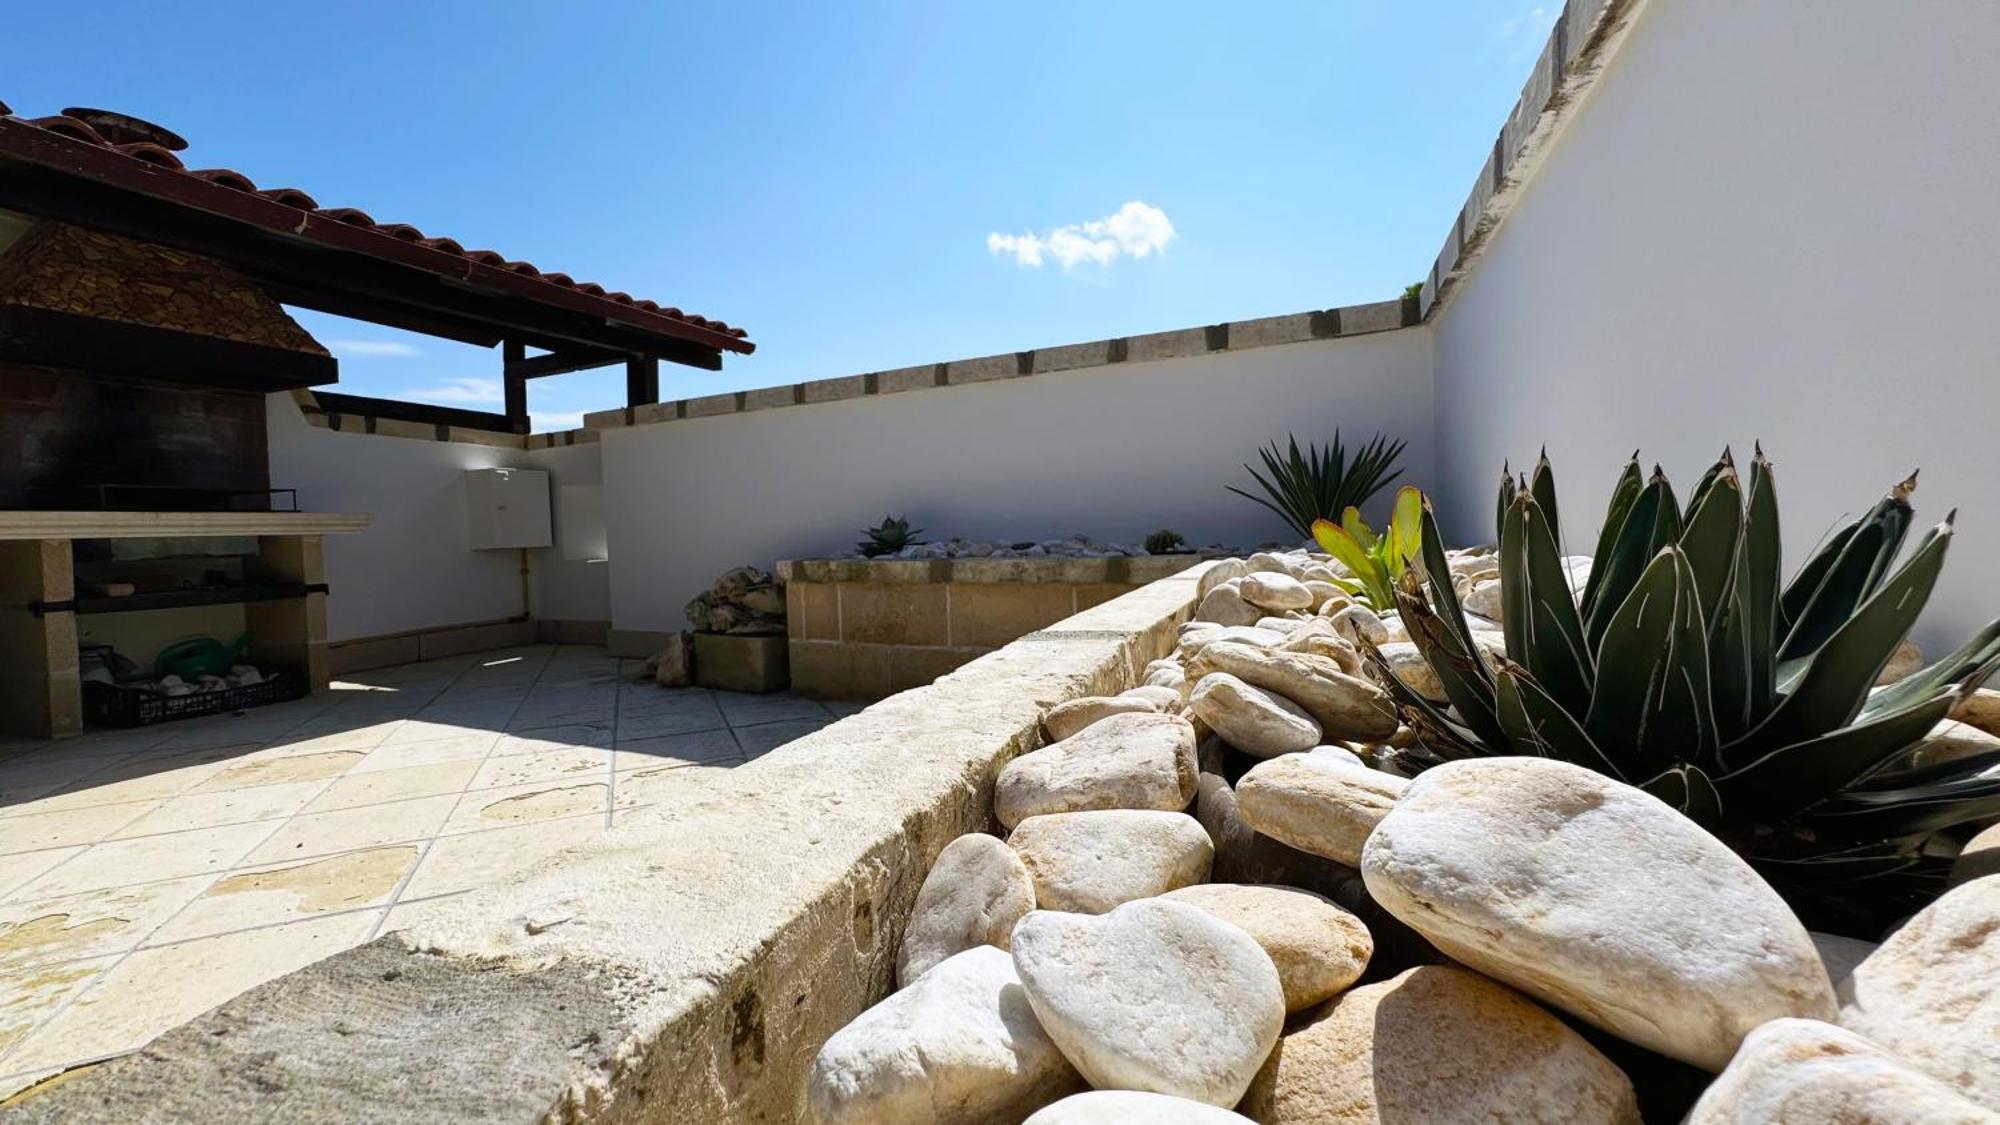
{"points": [[894, 534], [1685, 667], [1377, 561], [1321, 483], [1165, 541]]}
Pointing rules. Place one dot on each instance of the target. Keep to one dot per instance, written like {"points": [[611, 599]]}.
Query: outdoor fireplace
{"points": [[136, 507]]}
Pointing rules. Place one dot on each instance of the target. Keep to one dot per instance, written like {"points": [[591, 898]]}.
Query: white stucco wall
{"points": [[412, 569], [1113, 452], [1769, 221], [569, 589]]}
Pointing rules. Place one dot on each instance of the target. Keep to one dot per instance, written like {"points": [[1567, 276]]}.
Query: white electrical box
{"points": [[507, 508]]}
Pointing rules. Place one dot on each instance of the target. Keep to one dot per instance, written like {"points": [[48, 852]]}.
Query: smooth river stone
{"points": [[1438, 1044], [961, 1045], [1281, 592], [1142, 760], [1930, 994], [1318, 947], [1596, 898], [1346, 707], [975, 892], [1156, 995], [1132, 1107], [1089, 862], [1224, 606], [1164, 699], [1251, 719], [1067, 719], [1979, 858], [1804, 1072], [1317, 804]]}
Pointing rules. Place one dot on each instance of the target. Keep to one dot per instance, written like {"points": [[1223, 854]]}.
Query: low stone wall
{"points": [[684, 967], [864, 629]]}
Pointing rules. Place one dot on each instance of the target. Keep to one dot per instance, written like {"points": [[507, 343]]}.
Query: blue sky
{"points": [[831, 176]]}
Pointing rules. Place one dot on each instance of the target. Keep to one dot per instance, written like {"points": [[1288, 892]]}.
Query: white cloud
{"points": [[372, 349], [454, 391], [1136, 230], [549, 421]]}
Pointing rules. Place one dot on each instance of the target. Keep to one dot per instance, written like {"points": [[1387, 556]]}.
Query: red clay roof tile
{"points": [[158, 155]]}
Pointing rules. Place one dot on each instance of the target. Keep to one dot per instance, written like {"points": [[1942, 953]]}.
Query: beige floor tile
{"points": [[90, 924], [322, 766], [403, 915], [32, 995], [142, 777], [265, 895], [554, 765], [233, 806], [41, 830], [119, 863], [428, 730], [347, 829], [17, 871], [479, 859], [321, 736], [379, 786], [522, 804], [403, 755], [564, 737], [40, 774], [155, 989], [12, 1084], [678, 749]]}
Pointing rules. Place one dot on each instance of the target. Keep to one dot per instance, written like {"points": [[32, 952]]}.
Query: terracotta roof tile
{"points": [[160, 156]]}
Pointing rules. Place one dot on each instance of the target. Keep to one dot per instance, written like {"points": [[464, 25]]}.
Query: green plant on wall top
{"points": [[891, 536], [1687, 668], [1320, 484], [1165, 541], [1376, 561]]}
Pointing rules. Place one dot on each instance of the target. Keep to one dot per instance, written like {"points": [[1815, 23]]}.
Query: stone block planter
{"points": [[865, 629], [748, 664]]}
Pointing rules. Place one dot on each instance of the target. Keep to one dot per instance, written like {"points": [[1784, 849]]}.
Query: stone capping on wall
{"points": [[1587, 35], [1060, 569], [687, 965], [1240, 335], [317, 415]]}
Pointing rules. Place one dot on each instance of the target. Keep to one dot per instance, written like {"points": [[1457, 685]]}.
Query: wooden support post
{"points": [[642, 380], [41, 690], [513, 354]]}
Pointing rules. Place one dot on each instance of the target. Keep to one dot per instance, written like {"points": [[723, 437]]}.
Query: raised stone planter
{"points": [[864, 629], [748, 664]]}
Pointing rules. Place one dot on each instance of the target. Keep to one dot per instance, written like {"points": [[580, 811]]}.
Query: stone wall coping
{"points": [[1061, 569], [1240, 335], [686, 965]]}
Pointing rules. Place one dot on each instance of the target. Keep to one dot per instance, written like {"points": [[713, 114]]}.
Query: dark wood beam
{"points": [[45, 338], [642, 380], [516, 384], [564, 362], [423, 412]]}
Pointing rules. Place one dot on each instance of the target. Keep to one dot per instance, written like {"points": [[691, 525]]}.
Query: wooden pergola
{"points": [[120, 174]]}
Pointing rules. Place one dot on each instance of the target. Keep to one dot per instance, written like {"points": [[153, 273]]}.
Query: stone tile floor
{"points": [[149, 875]]}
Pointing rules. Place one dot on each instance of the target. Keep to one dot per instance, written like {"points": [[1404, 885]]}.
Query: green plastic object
{"points": [[196, 657]]}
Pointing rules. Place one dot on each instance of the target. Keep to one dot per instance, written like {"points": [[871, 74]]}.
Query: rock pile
{"points": [[1496, 939], [744, 602]]}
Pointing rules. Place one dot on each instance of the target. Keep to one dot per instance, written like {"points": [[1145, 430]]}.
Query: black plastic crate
{"points": [[120, 706]]}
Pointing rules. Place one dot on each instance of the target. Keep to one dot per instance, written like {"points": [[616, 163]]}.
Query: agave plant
{"points": [[1686, 668], [1376, 561], [892, 535], [1320, 483]]}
